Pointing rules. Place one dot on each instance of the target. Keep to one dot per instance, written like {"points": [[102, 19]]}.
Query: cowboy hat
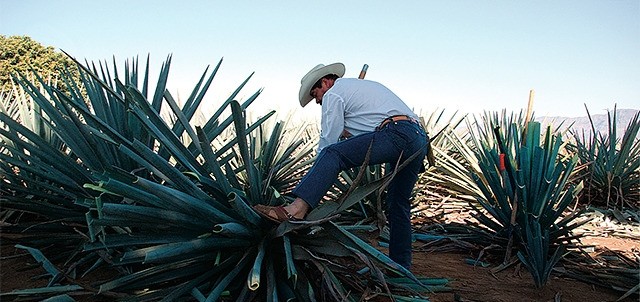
{"points": [[315, 74]]}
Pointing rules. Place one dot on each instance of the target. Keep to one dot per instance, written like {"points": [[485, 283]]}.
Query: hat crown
{"points": [[311, 74]]}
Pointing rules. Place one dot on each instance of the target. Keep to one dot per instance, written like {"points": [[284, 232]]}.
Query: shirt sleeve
{"points": [[332, 120]]}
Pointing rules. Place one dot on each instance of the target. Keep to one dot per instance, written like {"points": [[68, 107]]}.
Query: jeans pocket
{"points": [[406, 136]]}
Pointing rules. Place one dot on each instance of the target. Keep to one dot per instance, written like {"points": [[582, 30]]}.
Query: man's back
{"points": [[363, 103]]}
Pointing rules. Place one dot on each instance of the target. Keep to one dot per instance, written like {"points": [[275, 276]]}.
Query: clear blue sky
{"points": [[468, 56]]}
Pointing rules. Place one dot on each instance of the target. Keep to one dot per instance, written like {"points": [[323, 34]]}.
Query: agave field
{"points": [[107, 175]]}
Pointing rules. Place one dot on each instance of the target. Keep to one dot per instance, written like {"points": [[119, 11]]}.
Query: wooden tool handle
{"points": [[363, 72]]}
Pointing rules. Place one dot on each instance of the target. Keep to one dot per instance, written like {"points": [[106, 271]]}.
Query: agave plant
{"points": [[612, 165], [282, 153], [446, 177], [174, 215], [18, 106], [37, 175], [455, 150], [525, 193]]}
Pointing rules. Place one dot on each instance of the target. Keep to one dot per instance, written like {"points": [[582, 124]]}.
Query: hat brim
{"points": [[313, 76]]}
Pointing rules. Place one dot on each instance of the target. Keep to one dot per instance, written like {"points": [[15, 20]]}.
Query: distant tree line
{"points": [[22, 54]]}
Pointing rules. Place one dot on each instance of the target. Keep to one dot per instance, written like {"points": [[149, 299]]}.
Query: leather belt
{"points": [[396, 118]]}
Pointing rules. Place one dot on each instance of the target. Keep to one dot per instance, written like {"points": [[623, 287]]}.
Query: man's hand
{"points": [[345, 134]]}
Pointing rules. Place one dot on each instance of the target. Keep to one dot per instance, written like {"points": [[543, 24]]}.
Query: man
{"points": [[370, 115]]}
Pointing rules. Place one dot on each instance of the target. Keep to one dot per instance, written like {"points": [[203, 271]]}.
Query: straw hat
{"points": [[315, 74]]}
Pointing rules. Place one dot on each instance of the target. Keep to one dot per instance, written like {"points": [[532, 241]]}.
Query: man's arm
{"points": [[332, 120]]}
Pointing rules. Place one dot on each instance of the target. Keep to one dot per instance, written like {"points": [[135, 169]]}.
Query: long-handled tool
{"points": [[363, 72]]}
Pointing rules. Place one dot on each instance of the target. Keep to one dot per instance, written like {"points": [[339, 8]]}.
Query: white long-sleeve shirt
{"points": [[357, 106]]}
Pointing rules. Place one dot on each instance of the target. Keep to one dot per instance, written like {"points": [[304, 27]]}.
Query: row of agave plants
{"points": [[527, 191], [520, 182], [107, 176]]}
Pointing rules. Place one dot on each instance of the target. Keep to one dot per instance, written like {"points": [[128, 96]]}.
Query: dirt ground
{"points": [[469, 283], [477, 283]]}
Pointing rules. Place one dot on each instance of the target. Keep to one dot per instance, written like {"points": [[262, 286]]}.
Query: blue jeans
{"points": [[401, 138]]}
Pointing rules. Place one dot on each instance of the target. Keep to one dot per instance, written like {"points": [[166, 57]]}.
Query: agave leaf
{"points": [[173, 269], [272, 291], [173, 174], [142, 162], [292, 273], [116, 187], [95, 77], [376, 271], [629, 292], [183, 119], [196, 97], [327, 209], [55, 208], [59, 298], [190, 205], [151, 214], [211, 162], [241, 134], [290, 226], [108, 132], [371, 251], [253, 279], [226, 280], [169, 142], [132, 240], [46, 264], [233, 229], [243, 209], [231, 176], [233, 142], [190, 286], [42, 290], [180, 250], [332, 284], [323, 244], [285, 291], [161, 85], [211, 125]]}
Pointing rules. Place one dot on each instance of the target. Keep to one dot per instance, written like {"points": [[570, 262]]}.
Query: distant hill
{"points": [[600, 122]]}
